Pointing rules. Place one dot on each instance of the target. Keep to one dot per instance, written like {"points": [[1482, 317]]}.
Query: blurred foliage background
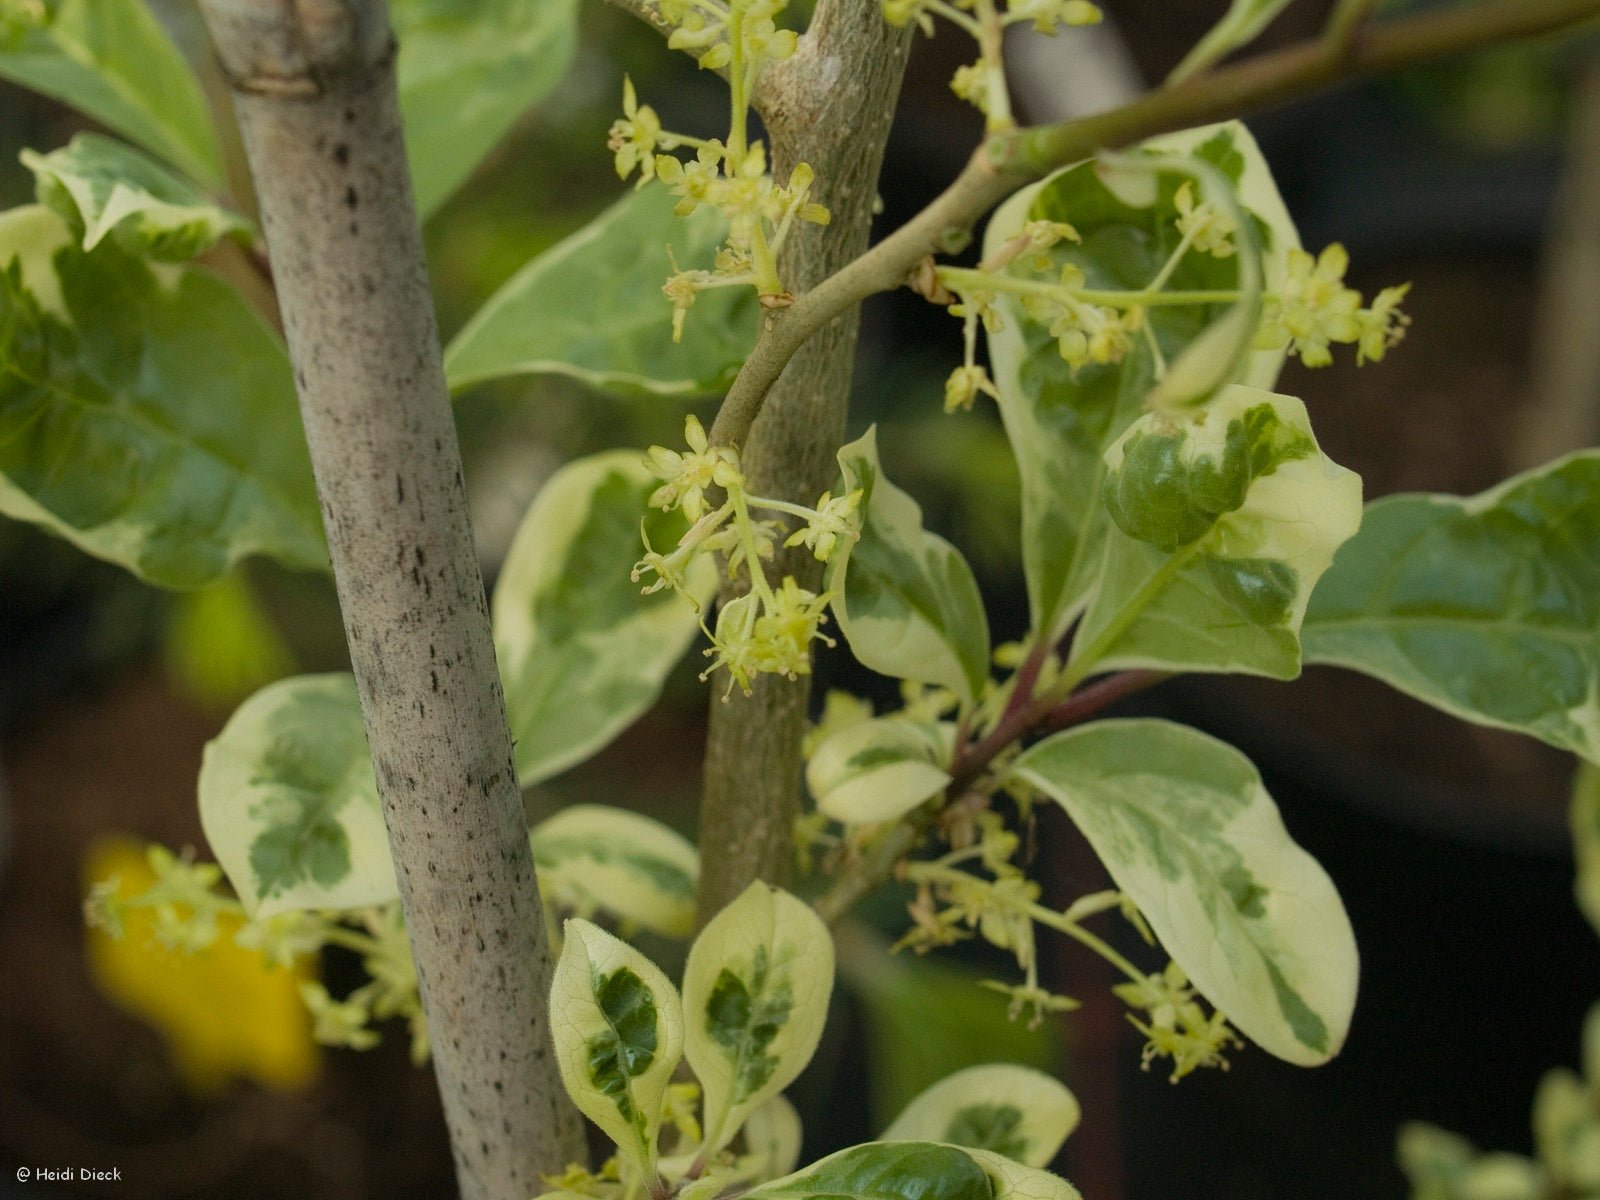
{"points": [[1475, 179]]}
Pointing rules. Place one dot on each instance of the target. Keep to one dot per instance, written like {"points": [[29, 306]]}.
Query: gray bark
{"points": [[314, 89], [830, 106]]}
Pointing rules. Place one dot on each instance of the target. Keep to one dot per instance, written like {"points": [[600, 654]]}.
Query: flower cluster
{"points": [[769, 629], [183, 901], [1313, 309], [1310, 310], [186, 901], [729, 175], [1203, 225], [983, 83], [1175, 1025], [1003, 911], [952, 904]]}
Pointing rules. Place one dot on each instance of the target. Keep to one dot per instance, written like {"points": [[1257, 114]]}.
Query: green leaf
{"points": [[146, 414], [1224, 523], [467, 72], [1242, 22], [112, 60], [880, 769], [906, 600], [581, 652], [916, 1171], [593, 857], [756, 991], [1008, 1109], [1060, 422], [591, 308], [1186, 829], [289, 803], [618, 1030], [1487, 607], [102, 187], [1585, 820]]}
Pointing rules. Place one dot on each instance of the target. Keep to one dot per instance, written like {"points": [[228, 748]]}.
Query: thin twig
{"points": [[1007, 161], [1037, 714]]}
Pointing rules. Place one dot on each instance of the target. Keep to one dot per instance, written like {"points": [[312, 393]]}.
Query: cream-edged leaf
{"points": [[582, 654], [289, 803], [755, 993], [772, 1136], [916, 1171], [113, 60], [1060, 420], [551, 318], [879, 769], [1188, 832], [1223, 522], [906, 600], [618, 1031], [1012, 1180], [102, 187], [147, 415], [592, 857], [1011, 1110], [1485, 606]]}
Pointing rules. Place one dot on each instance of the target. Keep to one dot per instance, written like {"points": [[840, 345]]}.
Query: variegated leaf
{"points": [[916, 1171], [114, 61], [592, 857], [582, 653], [756, 991], [1010, 1110], [1224, 522], [906, 600], [1187, 830], [102, 187], [147, 415], [1487, 606], [879, 769], [618, 1030], [289, 803], [550, 318], [1060, 421]]}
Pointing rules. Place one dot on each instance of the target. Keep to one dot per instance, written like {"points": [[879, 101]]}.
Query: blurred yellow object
{"points": [[221, 645], [224, 1011]]}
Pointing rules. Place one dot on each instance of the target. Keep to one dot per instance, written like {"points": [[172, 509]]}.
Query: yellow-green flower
{"points": [[1208, 229], [1383, 325], [1313, 307], [633, 139]]}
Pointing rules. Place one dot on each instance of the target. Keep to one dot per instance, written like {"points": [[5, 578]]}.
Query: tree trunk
{"points": [[831, 105], [313, 84]]}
